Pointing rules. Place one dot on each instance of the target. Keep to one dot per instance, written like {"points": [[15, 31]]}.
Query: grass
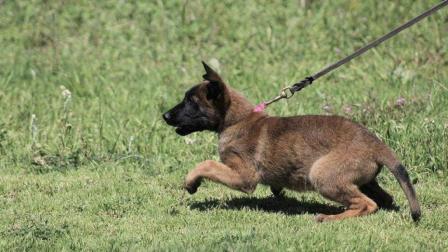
{"points": [[99, 170]]}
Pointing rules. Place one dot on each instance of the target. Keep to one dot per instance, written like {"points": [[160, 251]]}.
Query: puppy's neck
{"points": [[240, 108]]}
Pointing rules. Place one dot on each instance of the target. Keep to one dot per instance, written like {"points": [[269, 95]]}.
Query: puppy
{"points": [[328, 154]]}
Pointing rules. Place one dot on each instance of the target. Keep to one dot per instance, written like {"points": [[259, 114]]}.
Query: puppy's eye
{"points": [[191, 101], [194, 103]]}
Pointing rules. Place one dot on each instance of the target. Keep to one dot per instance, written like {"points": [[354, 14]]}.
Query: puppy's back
{"points": [[307, 138]]}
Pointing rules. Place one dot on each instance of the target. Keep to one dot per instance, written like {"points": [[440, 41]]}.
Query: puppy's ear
{"points": [[210, 74], [214, 90], [218, 94], [217, 90]]}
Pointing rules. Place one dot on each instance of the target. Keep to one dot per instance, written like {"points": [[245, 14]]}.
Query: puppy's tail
{"points": [[399, 171]]}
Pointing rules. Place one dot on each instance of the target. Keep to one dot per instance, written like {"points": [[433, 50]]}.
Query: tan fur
{"points": [[328, 154]]}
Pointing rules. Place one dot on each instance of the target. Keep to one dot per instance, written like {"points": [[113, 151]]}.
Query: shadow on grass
{"points": [[284, 204]]}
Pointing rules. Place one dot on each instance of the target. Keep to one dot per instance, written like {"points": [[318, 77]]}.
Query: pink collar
{"points": [[260, 107]]}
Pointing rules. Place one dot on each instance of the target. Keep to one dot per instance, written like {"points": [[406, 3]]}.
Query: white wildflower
{"points": [[400, 102], [348, 110], [131, 140], [33, 73], [66, 93], [189, 140], [327, 108], [33, 128]]}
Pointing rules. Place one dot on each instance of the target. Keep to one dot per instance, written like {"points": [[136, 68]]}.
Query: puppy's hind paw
{"points": [[320, 217]]}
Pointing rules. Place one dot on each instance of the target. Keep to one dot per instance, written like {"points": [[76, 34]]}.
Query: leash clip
{"points": [[284, 94]]}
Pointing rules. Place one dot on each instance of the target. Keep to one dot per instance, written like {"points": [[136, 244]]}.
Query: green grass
{"points": [[101, 171]]}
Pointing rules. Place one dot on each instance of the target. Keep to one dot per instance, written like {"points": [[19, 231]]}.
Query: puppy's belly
{"points": [[293, 179]]}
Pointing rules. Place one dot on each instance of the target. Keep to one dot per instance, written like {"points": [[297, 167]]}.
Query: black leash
{"points": [[308, 80]]}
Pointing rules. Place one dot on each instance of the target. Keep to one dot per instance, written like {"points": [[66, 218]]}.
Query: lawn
{"points": [[86, 162]]}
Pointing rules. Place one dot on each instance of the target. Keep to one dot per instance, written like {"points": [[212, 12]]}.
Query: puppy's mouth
{"points": [[183, 130]]}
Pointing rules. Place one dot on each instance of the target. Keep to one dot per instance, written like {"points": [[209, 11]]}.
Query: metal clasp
{"points": [[284, 94]]}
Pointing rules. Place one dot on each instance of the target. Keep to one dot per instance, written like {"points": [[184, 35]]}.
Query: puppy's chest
{"points": [[237, 144]]}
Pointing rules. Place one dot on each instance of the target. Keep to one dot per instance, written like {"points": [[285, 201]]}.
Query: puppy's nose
{"points": [[167, 116]]}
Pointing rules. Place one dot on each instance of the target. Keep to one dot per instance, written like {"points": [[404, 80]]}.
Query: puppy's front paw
{"points": [[277, 192], [191, 190], [192, 186]]}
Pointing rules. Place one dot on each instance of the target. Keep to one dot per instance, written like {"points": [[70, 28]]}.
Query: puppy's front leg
{"points": [[236, 177]]}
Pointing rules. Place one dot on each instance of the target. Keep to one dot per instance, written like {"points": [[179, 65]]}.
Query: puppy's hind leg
{"points": [[382, 198], [357, 203], [337, 184], [237, 177]]}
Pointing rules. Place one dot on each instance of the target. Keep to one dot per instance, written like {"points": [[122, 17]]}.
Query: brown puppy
{"points": [[329, 154]]}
